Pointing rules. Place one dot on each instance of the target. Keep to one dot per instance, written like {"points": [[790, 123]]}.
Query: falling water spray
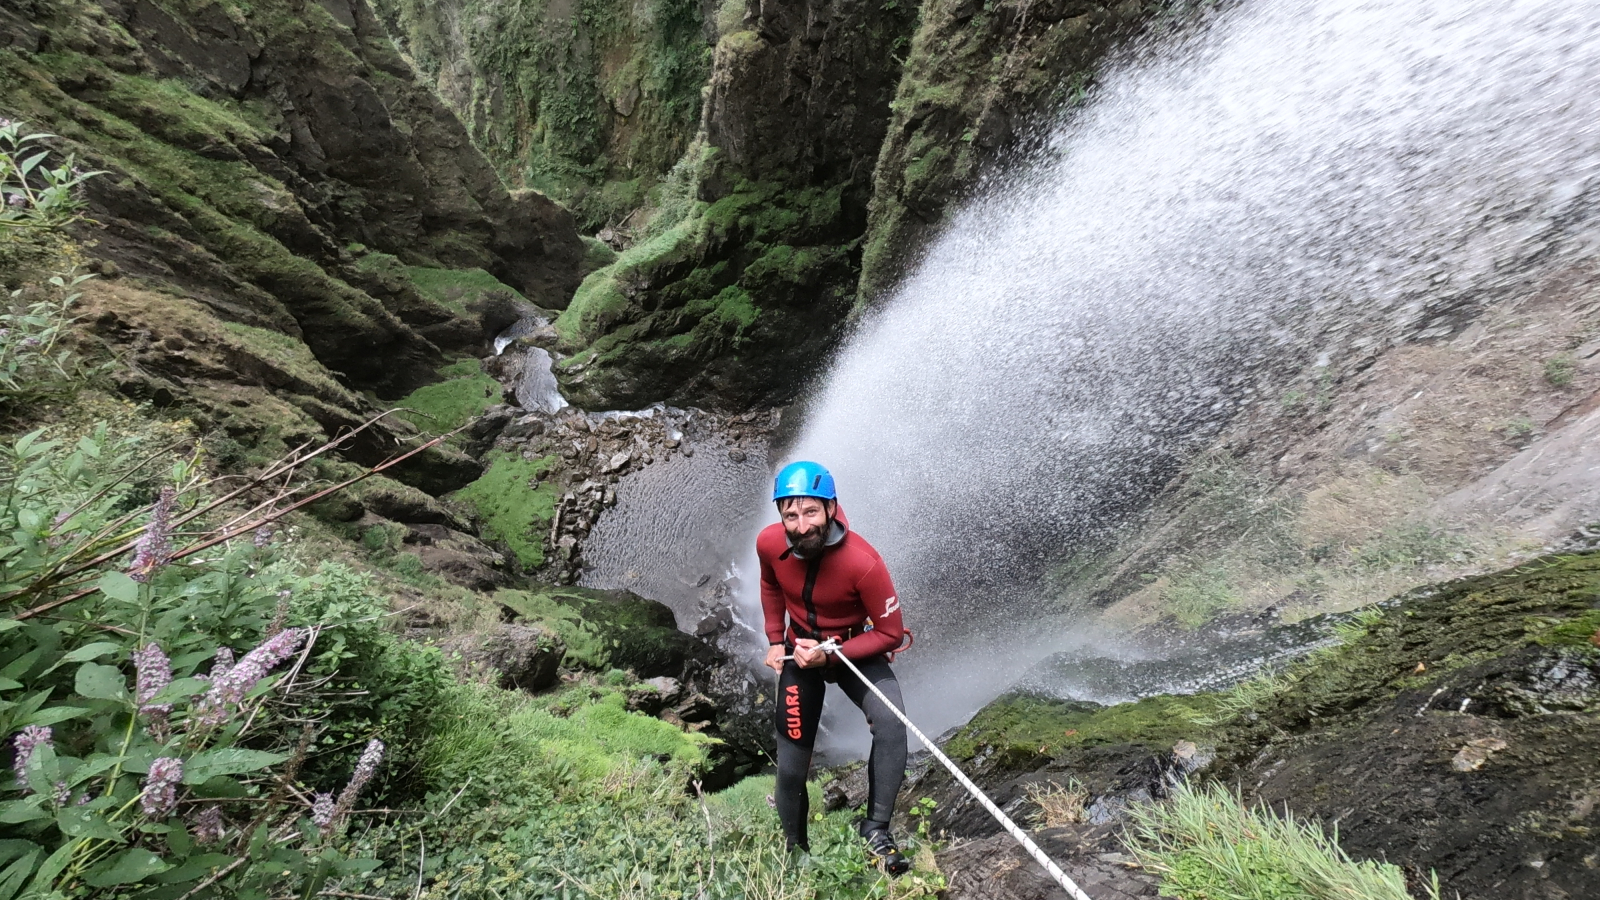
{"points": [[1285, 186]]}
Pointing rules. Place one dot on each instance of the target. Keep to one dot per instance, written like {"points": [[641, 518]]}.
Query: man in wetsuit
{"points": [[829, 582]]}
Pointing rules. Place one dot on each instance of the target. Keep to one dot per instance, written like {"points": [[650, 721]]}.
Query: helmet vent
{"points": [[815, 482]]}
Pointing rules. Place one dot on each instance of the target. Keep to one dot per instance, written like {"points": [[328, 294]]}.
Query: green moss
{"points": [[597, 254], [1020, 726], [1582, 631], [485, 730], [511, 510], [289, 353], [455, 288], [1554, 600], [449, 404]]}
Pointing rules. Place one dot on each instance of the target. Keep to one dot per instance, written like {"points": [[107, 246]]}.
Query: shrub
{"points": [[154, 706], [37, 196], [1560, 369]]}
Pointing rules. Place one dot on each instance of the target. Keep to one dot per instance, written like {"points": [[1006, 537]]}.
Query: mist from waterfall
{"points": [[1225, 203]]}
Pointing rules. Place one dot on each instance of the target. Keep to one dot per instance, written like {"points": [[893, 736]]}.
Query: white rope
{"points": [[832, 646]]}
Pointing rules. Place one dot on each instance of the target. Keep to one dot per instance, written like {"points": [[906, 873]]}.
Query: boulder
{"points": [[513, 656]]}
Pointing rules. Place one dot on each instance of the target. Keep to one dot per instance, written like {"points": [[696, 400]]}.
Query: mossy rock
{"points": [[978, 82], [512, 506], [591, 106], [606, 630]]}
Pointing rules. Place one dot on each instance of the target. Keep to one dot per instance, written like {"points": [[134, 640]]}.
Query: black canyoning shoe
{"points": [[883, 853]]}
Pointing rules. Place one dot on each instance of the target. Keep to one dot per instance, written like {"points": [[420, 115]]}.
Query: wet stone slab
{"points": [[997, 868]]}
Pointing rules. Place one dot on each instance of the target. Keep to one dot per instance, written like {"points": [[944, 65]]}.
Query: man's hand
{"points": [[774, 658], [807, 656]]}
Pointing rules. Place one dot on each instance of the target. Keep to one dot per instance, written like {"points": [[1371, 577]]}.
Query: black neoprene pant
{"points": [[799, 708]]}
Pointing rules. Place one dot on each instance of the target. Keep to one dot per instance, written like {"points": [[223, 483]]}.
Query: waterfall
{"points": [[1232, 203]]}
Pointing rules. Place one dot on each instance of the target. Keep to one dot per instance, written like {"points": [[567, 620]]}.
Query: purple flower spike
{"points": [[160, 795], [366, 767], [153, 672], [28, 743], [222, 663], [228, 689], [208, 827], [322, 810], [154, 548]]}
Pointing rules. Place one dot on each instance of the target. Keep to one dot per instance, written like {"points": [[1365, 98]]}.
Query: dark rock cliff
{"points": [[592, 103], [249, 147], [978, 78], [742, 287]]}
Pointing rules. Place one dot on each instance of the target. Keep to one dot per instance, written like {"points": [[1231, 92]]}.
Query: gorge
{"points": [[1219, 381]]}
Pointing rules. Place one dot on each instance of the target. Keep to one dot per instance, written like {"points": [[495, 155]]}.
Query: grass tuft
{"points": [[1207, 845]]}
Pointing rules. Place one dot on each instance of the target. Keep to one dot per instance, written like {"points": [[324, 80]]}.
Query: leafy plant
{"points": [[170, 713], [37, 196]]}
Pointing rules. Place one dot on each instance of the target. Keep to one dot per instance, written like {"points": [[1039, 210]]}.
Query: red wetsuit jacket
{"points": [[849, 584]]}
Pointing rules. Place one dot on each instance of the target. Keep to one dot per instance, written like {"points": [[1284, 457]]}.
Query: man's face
{"points": [[806, 521]]}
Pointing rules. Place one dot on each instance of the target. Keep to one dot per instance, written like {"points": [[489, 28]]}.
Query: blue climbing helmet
{"points": [[803, 479]]}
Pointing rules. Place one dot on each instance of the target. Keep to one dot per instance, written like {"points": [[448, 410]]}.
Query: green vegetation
{"points": [[597, 254], [591, 104], [451, 403], [512, 510], [1020, 727], [1207, 845], [1198, 597], [513, 795], [1409, 545], [39, 193], [1559, 370], [101, 659], [456, 288]]}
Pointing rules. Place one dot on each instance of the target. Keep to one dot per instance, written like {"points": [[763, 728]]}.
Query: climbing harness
{"points": [[832, 646]]}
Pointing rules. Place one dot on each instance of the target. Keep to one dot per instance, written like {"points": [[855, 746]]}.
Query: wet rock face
{"points": [[517, 73], [976, 75], [1458, 736], [740, 301], [1022, 745], [997, 868]]}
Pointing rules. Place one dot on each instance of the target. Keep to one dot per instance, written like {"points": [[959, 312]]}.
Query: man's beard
{"points": [[812, 544]]}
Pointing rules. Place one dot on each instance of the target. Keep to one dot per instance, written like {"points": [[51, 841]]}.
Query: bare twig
{"points": [[225, 535], [422, 859]]}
